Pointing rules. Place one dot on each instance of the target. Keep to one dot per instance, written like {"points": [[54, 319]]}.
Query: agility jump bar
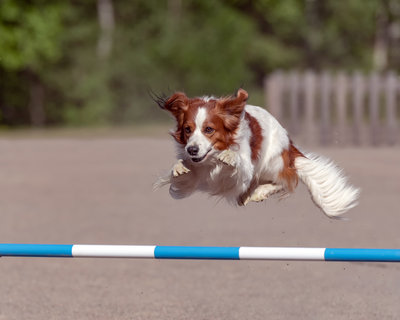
{"points": [[202, 253]]}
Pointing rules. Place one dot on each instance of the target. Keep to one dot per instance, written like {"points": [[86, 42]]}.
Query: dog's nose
{"points": [[193, 150]]}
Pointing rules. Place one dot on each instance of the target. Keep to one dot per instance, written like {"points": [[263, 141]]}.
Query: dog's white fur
{"points": [[233, 175]]}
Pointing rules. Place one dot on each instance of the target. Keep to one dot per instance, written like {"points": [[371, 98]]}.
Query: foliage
{"points": [[29, 42], [199, 46], [28, 33]]}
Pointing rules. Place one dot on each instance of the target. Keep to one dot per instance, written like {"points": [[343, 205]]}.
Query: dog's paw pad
{"points": [[228, 157], [179, 169]]}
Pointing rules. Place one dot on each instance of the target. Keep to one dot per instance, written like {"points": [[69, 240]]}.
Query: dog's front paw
{"points": [[228, 157], [179, 169]]}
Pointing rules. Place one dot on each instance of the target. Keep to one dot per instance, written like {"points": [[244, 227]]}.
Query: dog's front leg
{"points": [[228, 157], [179, 169], [243, 170], [183, 181]]}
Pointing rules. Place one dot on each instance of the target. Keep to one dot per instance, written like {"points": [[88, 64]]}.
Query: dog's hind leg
{"points": [[263, 192]]}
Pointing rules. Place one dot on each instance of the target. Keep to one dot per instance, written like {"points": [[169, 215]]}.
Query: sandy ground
{"points": [[98, 191]]}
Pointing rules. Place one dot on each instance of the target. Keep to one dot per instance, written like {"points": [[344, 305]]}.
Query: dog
{"points": [[228, 148]]}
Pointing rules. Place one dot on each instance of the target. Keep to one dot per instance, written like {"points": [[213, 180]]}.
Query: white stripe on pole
{"points": [[113, 251], [270, 253]]}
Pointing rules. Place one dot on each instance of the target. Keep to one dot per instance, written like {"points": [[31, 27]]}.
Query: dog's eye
{"points": [[208, 130], [188, 130]]}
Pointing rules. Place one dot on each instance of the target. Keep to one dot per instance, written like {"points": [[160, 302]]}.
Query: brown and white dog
{"points": [[228, 148]]}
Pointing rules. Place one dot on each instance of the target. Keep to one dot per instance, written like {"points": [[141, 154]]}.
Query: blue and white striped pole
{"points": [[211, 253]]}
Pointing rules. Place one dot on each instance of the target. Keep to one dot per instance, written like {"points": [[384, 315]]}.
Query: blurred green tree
{"points": [[29, 33], [93, 62]]}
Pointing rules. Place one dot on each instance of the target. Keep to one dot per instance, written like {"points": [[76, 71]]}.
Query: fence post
{"points": [[274, 90], [358, 103], [341, 107], [320, 103], [293, 86], [326, 88], [374, 89], [309, 105], [391, 85]]}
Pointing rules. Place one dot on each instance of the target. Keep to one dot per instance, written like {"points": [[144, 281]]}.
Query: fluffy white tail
{"points": [[329, 188]]}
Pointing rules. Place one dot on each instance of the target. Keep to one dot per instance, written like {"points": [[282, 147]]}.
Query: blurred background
{"points": [[322, 67], [77, 77]]}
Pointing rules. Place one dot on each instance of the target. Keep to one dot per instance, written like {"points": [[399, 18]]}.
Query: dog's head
{"points": [[205, 125]]}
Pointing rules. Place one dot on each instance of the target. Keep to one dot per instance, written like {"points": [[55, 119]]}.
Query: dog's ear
{"points": [[231, 108], [234, 105], [176, 104]]}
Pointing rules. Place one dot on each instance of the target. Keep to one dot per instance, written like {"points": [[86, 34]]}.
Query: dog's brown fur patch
{"points": [[256, 136], [289, 173]]}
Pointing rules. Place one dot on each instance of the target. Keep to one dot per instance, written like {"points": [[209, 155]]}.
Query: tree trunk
{"points": [[380, 54], [105, 13], [175, 8]]}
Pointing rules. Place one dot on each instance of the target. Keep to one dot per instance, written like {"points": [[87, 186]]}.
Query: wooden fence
{"points": [[336, 108]]}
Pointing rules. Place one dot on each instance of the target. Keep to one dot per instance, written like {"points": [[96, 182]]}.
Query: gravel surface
{"points": [[99, 191]]}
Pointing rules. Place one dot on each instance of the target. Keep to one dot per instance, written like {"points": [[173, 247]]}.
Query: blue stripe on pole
{"points": [[348, 254], [36, 250], [182, 252]]}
